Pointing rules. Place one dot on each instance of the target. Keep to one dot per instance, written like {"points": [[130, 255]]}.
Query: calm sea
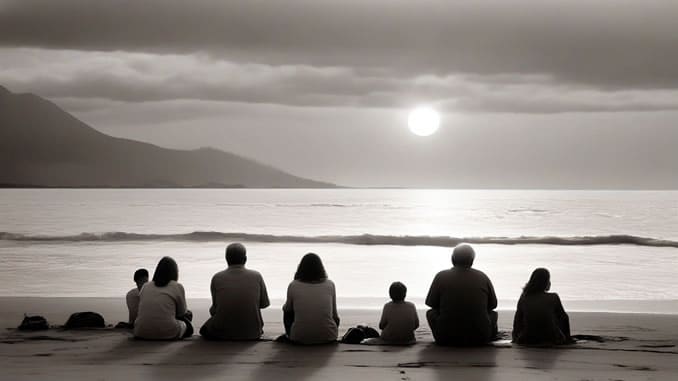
{"points": [[603, 248]]}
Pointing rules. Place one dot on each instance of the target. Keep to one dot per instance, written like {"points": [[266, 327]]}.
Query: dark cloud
{"points": [[142, 77], [610, 44]]}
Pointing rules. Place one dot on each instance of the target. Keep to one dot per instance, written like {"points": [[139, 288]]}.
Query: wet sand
{"points": [[631, 347]]}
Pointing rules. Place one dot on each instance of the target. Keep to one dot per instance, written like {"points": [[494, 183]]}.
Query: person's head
{"points": [[310, 269], [140, 277], [166, 271], [397, 291], [236, 254], [540, 281], [463, 256]]}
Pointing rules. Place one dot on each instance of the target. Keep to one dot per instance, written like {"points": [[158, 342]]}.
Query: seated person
{"points": [[462, 302], [162, 306], [310, 312], [140, 278], [540, 318], [238, 295], [399, 319]]}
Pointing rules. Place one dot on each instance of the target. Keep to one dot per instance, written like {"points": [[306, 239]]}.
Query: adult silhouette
{"points": [[238, 295], [462, 302], [540, 317]]}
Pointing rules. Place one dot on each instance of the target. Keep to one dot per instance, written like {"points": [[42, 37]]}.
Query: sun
{"points": [[423, 121]]}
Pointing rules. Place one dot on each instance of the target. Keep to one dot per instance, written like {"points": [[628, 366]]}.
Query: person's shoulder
{"points": [[443, 273], [553, 295], [410, 305], [479, 273], [219, 274], [176, 285], [253, 273], [133, 293]]}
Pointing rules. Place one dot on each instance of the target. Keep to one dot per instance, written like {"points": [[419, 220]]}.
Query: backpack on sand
{"points": [[85, 320], [33, 323], [356, 335]]}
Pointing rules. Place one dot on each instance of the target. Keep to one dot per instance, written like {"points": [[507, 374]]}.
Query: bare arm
{"points": [[383, 322], [263, 294], [518, 321], [335, 315], [416, 317], [491, 296], [132, 307], [433, 297], [289, 303], [181, 302], [213, 291]]}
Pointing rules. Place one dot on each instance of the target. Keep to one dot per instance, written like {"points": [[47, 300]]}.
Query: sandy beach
{"points": [[634, 347]]}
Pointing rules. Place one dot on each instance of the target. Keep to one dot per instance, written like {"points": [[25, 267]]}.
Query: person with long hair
{"points": [[540, 318], [310, 312], [162, 306]]}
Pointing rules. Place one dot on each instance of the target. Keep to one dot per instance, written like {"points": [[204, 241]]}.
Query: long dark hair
{"points": [[311, 269], [540, 281], [166, 271]]}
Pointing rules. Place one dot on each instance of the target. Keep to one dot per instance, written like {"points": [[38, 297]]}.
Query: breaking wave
{"points": [[363, 239]]}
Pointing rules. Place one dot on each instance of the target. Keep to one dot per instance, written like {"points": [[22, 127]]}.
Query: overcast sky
{"points": [[528, 89]]}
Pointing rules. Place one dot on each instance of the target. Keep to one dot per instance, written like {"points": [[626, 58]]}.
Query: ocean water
{"points": [[603, 248]]}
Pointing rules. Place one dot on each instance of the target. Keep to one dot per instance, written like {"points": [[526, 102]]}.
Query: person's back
{"points": [[399, 318], [314, 306], [462, 301], [398, 322], [158, 311], [540, 317], [238, 296], [463, 297]]}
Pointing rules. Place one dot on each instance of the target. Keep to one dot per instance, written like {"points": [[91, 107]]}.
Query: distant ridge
{"points": [[42, 146], [362, 239]]}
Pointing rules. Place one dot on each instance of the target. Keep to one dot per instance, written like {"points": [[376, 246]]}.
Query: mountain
{"points": [[42, 145]]}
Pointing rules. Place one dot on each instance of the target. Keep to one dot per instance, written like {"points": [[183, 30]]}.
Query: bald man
{"points": [[462, 302], [238, 295]]}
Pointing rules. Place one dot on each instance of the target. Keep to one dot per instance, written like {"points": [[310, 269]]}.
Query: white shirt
{"points": [[315, 311], [133, 304], [158, 309], [398, 322]]}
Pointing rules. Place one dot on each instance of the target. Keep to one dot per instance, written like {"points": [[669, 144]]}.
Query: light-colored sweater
{"points": [[158, 309]]}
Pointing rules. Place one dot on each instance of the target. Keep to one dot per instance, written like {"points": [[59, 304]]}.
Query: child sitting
{"points": [[399, 319]]}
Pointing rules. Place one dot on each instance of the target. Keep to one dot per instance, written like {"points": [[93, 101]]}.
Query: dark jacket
{"points": [[462, 299], [540, 319]]}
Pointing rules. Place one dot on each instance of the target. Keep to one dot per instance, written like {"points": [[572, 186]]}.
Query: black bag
{"points": [[359, 333], [33, 323], [353, 336], [85, 320], [369, 332]]}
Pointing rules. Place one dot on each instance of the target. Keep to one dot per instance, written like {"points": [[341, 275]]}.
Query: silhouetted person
{"points": [[310, 312], [238, 295], [162, 306], [132, 298], [540, 317], [399, 319], [462, 302]]}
